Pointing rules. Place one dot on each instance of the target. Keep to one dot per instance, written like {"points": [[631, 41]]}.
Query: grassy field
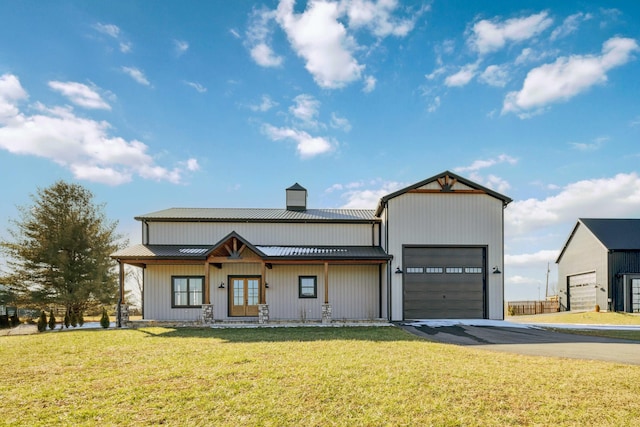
{"points": [[299, 377], [582, 318]]}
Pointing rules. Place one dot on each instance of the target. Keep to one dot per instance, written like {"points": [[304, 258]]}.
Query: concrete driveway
{"points": [[525, 339]]}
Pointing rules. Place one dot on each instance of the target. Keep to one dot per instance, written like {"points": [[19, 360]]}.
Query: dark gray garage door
{"points": [[444, 282]]}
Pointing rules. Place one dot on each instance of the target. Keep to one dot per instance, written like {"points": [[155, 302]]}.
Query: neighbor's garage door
{"points": [[582, 291], [444, 283]]}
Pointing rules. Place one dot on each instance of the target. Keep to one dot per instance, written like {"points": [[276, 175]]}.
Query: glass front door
{"points": [[243, 296]]}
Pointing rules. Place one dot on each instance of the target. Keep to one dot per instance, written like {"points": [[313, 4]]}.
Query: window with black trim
{"points": [[187, 291], [308, 286]]}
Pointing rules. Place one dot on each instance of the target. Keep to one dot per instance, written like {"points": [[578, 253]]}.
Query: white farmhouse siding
{"points": [[585, 254], [313, 234], [447, 219], [356, 251]]}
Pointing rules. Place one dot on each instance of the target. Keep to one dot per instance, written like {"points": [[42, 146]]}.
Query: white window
{"points": [[473, 269], [414, 270], [432, 270], [453, 270]]}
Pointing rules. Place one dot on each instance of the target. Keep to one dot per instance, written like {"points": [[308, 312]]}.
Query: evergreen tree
{"points": [[52, 320], [59, 250], [66, 320], [80, 319], [73, 319], [104, 320], [42, 322]]}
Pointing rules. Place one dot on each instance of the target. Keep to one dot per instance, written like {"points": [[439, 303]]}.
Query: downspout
{"points": [[120, 294]]}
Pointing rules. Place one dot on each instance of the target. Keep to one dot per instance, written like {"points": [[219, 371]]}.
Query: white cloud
{"points": [[369, 84], [360, 195], [434, 105], [618, 196], [463, 76], [570, 25], [136, 75], [592, 146], [234, 33], [305, 109], [82, 145], [180, 46], [492, 35], [541, 257], [340, 123], [568, 76], [495, 75], [80, 94], [435, 73], [483, 164], [197, 86], [108, 29], [258, 38], [265, 105], [378, 17], [114, 32], [307, 146], [318, 37]]}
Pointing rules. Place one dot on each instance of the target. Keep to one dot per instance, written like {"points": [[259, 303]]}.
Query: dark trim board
{"points": [[444, 281]]}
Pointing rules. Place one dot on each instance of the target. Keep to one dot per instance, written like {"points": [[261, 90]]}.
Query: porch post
{"points": [[122, 311], [326, 307], [263, 307], [207, 307]]}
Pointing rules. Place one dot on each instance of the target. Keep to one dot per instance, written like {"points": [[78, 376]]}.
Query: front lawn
{"points": [[298, 377]]}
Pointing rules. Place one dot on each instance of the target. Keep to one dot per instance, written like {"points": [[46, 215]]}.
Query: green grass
{"points": [[588, 317], [615, 333], [298, 377]]}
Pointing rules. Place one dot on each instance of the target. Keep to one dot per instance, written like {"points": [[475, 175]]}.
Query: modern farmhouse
{"points": [[431, 250], [600, 265]]}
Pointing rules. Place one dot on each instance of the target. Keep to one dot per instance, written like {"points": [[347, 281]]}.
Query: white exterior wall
{"points": [[447, 219], [584, 254], [310, 234], [353, 291]]}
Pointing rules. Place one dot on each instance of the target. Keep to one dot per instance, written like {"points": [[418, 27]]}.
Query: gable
{"points": [[443, 183]]}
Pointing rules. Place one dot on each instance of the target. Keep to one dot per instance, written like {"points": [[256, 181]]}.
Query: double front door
{"points": [[243, 296]]}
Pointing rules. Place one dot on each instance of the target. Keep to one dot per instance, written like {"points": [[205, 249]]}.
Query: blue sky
{"points": [[157, 104]]}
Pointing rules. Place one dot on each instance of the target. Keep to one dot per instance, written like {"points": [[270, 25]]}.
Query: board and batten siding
{"points": [[584, 254], [353, 291], [309, 234], [447, 219]]}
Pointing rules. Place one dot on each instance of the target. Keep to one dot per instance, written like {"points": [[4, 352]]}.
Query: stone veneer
{"points": [[263, 313], [326, 313], [124, 314], [207, 314]]}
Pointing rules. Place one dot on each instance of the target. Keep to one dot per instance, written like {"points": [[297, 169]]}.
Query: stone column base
{"points": [[207, 314], [326, 313], [124, 314], [263, 313]]}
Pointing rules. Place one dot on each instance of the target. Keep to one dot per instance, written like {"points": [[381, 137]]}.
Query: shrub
{"points": [[42, 322], [104, 320], [73, 319], [80, 319], [597, 308], [66, 320], [15, 320], [52, 320]]}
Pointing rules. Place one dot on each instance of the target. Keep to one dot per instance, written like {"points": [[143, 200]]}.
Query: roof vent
{"points": [[296, 198]]}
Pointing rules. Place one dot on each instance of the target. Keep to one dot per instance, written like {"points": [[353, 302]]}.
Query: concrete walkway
{"points": [[526, 339]]}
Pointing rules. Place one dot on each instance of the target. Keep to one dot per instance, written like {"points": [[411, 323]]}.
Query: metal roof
{"points": [[324, 252], [262, 215], [615, 234], [270, 252]]}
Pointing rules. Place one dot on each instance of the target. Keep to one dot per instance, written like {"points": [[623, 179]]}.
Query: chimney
{"points": [[296, 198]]}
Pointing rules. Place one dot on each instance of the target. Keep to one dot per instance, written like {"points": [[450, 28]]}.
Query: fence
{"points": [[518, 308]]}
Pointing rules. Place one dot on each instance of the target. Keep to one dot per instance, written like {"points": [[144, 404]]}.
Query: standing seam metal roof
{"points": [[248, 214]]}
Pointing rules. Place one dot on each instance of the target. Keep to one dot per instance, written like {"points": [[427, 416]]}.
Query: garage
{"points": [[444, 282], [582, 291]]}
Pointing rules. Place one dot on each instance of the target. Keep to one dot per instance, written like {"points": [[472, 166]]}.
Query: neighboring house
{"points": [[600, 265], [431, 250]]}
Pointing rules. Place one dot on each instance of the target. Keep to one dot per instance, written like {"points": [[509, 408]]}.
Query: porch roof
{"points": [[266, 253]]}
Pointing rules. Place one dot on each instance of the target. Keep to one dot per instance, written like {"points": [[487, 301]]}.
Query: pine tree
{"points": [[73, 319], [42, 322], [66, 320], [80, 318], [104, 320], [52, 320], [59, 250]]}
